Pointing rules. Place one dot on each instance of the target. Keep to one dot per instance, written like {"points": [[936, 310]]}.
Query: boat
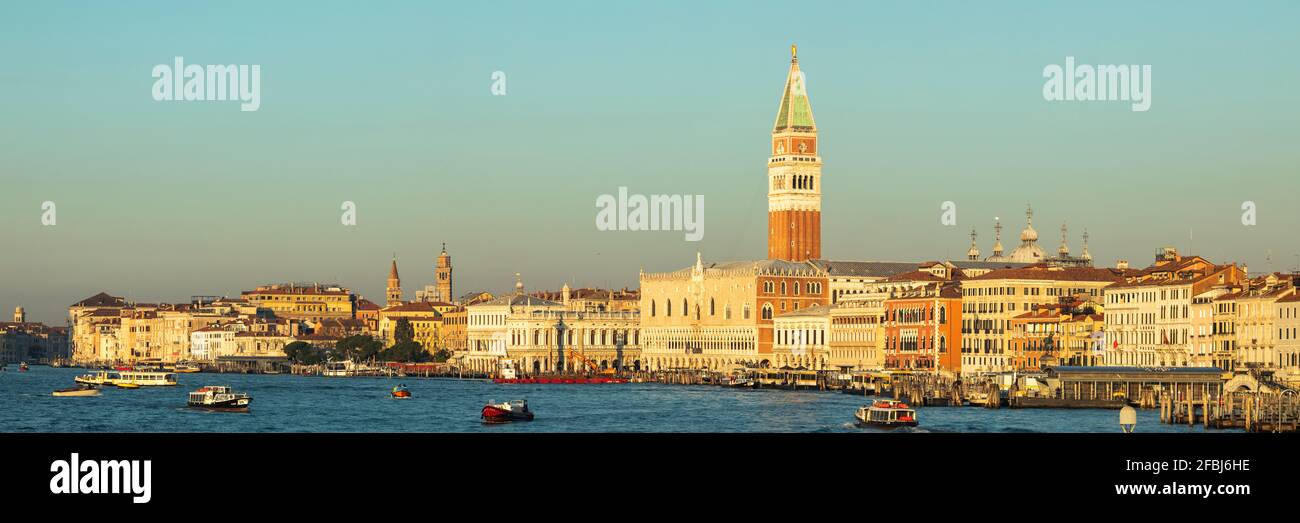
{"points": [[84, 390], [22, 367], [506, 370], [739, 381], [400, 392], [516, 410], [145, 379], [187, 368], [125, 385], [219, 397], [886, 413], [102, 377]]}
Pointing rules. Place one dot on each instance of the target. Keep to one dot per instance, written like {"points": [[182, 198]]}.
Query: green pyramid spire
{"points": [[796, 111]]}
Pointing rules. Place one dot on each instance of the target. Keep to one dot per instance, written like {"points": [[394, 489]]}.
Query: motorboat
{"points": [[887, 414], [516, 410], [219, 397], [84, 390]]}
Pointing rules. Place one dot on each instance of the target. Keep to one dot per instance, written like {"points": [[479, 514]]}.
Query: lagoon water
{"points": [[285, 403]]}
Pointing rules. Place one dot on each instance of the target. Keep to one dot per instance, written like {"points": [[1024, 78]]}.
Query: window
{"points": [[767, 311]]}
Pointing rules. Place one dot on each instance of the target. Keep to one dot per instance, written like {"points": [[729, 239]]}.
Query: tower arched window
{"points": [[767, 311], [712, 311], [652, 308]]}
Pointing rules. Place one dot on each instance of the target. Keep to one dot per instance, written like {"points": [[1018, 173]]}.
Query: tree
{"points": [[359, 347], [441, 355], [403, 331], [296, 350], [405, 351]]}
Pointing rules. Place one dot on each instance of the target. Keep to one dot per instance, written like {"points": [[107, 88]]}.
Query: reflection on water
{"points": [[284, 403]]}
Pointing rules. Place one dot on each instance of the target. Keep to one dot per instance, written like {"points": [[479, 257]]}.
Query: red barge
{"points": [[559, 380]]}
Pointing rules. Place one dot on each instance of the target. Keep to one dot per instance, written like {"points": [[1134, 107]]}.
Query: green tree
{"points": [[441, 355], [404, 351], [296, 351], [403, 331], [359, 347]]}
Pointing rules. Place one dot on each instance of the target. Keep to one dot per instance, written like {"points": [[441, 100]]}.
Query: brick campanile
{"points": [[794, 172]]}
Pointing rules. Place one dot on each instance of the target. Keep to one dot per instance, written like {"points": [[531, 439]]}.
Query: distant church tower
{"points": [[394, 286], [794, 172], [20, 315], [442, 274]]}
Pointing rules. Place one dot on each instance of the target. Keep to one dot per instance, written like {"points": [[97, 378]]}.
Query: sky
{"points": [[389, 105]]}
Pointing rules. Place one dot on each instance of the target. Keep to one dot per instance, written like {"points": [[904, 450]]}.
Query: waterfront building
{"points": [[425, 319], [1148, 317], [719, 315], [1069, 332], [922, 327], [1257, 320], [340, 327], [801, 338], [208, 343], [1288, 339], [155, 332], [1083, 335], [1212, 331], [24, 341], [455, 323], [264, 344], [991, 300], [314, 302], [487, 330], [94, 323], [857, 332], [549, 339], [367, 312]]}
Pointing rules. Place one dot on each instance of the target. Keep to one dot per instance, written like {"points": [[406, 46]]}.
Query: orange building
{"points": [[923, 329]]}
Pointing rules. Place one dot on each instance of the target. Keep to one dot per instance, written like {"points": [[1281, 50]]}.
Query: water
{"points": [[284, 403]]}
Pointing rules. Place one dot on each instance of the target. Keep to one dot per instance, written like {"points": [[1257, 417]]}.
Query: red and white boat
{"points": [[887, 414], [516, 410]]}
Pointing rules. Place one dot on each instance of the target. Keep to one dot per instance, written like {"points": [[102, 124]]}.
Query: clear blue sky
{"points": [[388, 105]]}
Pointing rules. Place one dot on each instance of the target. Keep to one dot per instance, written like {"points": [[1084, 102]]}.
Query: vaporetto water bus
{"points": [[128, 378], [146, 378]]}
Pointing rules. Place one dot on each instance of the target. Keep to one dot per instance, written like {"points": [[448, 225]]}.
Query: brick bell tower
{"points": [[794, 172], [393, 291], [442, 273]]}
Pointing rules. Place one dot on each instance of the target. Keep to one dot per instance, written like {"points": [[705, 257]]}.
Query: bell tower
{"points": [[794, 172], [394, 290], [442, 274]]}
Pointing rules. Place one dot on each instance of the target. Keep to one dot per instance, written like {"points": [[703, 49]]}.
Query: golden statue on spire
{"points": [[794, 52]]}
